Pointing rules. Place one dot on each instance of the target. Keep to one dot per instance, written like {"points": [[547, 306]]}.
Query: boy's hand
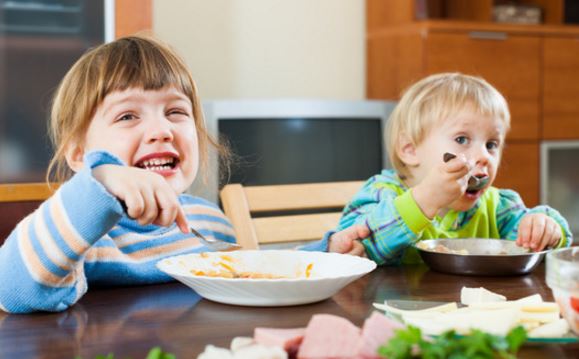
{"points": [[346, 241], [537, 231], [444, 184], [148, 197]]}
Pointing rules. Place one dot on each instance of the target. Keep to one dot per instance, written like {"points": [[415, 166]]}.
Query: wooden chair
{"points": [[267, 214], [18, 200]]}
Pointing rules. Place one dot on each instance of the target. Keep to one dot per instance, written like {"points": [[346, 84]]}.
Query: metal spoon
{"points": [[218, 245], [474, 183]]}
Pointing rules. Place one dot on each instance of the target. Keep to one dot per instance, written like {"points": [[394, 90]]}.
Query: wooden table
{"points": [[129, 321]]}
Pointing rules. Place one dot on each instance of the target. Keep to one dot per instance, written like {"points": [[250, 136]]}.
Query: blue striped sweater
{"points": [[81, 236]]}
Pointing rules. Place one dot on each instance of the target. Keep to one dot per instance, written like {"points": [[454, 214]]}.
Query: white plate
{"points": [[330, 273]]}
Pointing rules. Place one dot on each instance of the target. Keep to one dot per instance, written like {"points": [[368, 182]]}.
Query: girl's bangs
{"points": [[144, 67]]}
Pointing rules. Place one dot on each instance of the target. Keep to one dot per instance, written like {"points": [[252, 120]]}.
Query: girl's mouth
{"points": [[160, 163]]}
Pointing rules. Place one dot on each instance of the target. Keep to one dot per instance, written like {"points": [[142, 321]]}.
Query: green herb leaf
{"points": [[409, 343]]}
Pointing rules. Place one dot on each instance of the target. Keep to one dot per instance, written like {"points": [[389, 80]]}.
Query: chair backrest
{"points": [[17, 200], [267, 214]]}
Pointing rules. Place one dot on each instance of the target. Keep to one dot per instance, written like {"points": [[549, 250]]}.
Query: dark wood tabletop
{"points": [[129, 321]]}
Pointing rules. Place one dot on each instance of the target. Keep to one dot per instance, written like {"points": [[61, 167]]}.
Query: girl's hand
{"points": [[147, 196], [537, 231], [444, 184], [347, 240]]}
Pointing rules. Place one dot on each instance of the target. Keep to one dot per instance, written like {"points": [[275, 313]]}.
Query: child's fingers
{"points": [[552, 235], [362, 231], [357, 249], [537, 231], [340, 243], [524, 233], [151, 210], [181, 220], [167, 208], [135, 204]]}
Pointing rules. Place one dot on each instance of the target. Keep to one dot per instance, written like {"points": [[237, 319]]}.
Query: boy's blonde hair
{"points": [[435, 99], [130, 62]]}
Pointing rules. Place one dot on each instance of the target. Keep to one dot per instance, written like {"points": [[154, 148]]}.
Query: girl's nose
{"points": [[160, 131]]}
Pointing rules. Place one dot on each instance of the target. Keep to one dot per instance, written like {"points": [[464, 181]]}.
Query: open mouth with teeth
{"points": [[158, 164]]}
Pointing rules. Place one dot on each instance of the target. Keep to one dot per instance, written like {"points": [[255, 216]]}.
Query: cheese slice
{"points": [[555, 329], [447, 307], [479, 295]]}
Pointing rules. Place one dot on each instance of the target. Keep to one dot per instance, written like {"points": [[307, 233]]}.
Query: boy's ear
{"points": [[74, 155], [406, 151]]}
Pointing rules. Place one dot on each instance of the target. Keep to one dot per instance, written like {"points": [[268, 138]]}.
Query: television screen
{"points": [[302, 150], [560, 188]]}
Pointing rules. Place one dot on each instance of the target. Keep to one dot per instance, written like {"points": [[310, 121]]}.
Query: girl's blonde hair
{"points": [[129, 62], [435, 99]]}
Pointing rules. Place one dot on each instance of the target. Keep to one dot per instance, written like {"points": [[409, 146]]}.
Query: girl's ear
{"points": [[74, 154], [406, 151]]}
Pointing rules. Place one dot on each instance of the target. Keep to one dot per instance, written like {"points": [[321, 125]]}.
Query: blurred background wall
{"points": [[269, 48]]}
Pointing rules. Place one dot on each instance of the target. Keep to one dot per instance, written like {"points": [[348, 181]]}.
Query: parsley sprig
{"points": [[410, 343], [154, 353]]}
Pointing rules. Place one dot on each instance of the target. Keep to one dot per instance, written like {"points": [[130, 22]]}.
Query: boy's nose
{"points": [[482, 156]]}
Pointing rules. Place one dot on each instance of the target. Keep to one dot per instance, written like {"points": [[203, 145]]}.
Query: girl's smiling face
{"points": [[479, 138], [149, 129]]}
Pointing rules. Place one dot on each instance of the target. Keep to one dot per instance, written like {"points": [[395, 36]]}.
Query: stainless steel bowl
{"points": [[491, 257]]}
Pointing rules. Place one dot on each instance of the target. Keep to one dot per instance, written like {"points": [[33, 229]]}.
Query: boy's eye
{"points": [[492, 145], [462, 140]]}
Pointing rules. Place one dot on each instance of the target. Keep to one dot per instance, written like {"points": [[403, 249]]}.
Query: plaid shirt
{"points": [[396, 222]]}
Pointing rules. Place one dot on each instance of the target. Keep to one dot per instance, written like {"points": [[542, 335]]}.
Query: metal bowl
{"points": [[491, 257]]}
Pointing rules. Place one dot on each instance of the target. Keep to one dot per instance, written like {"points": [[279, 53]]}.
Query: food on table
{"points": [[326, 336], [486, 311], [249, 351], [440, 248], [377, 330], [479, 295], [329, 336], [288, 339], [224, 267], [410, 343]]}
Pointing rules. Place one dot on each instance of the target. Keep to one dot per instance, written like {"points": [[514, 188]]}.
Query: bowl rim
{"points": [[543, 252], [366, 267]]}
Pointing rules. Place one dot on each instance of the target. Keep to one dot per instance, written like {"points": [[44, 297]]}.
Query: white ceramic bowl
{"points": [[330, 272], [562, 275]]}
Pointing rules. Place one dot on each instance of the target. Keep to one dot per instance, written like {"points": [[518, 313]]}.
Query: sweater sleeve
{"points": [[393, 217], [41, 261], [511, 211]]}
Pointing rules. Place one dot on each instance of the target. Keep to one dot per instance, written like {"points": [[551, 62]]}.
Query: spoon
{"points": [[218, 245], [474, 183]]}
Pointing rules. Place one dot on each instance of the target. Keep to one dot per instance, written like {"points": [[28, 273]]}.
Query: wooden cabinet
{"points": [[508, 62], [561, 88], [132, 16], [536, 68]]}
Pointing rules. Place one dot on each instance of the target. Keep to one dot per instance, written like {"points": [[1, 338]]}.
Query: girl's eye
{"points": [[126, 117], [492, 145], [461, 140], [178, 112]]}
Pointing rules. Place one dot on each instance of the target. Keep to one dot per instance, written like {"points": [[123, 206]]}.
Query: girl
{"points": [[129, 135]]}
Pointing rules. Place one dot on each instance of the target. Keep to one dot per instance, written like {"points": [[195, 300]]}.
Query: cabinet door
{"points": [[561, 84], [510, 63], [519, 170]]}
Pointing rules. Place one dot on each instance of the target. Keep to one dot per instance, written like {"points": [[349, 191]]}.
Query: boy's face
{"points": [[478, 137], [152, 129]]}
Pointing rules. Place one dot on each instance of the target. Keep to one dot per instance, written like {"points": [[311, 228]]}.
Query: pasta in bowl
{"points": [[266, 277]]}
